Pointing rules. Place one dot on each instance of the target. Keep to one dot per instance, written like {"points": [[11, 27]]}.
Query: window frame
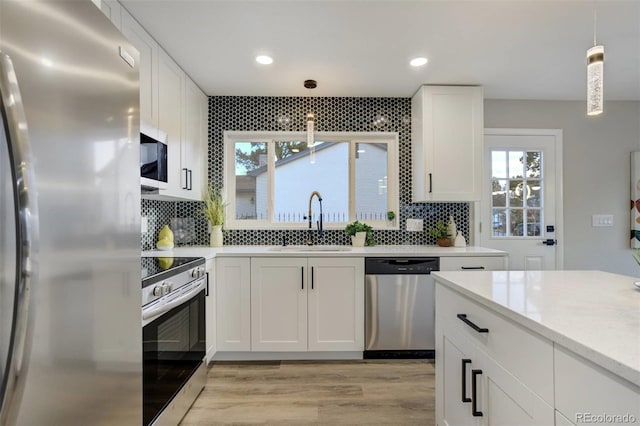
{"points": [[352, 138]]}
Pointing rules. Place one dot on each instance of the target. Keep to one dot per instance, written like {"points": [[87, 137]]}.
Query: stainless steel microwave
{"points": [[153, 159]]}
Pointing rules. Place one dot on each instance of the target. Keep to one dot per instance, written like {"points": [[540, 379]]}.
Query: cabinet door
{"points": [[170, 108], [233, 304], [279, 304], [506, 401], [447, 132], [193, 143], [210, 308], [336, 304], [149, 51], [453, 388], [111, 9]]}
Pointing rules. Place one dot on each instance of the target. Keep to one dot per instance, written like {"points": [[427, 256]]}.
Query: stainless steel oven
{"points": [[173, 337]]}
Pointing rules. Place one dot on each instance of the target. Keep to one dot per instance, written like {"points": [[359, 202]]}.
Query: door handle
{"points": [[474, 393], [312, 278], [465, 361], [430, 183], [14, 125], [186, 178], [464, 319], [302, 278], [550, 242], [190, 173]]}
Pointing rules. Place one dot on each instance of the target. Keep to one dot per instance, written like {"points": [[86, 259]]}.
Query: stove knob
{"points": [[166, 287], [195, 273], [158, 290]]}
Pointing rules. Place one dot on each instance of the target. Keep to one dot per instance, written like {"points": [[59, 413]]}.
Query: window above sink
{"points": [[269, 176]]}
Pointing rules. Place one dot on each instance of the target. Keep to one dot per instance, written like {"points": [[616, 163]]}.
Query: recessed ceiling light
{"points": [[418, 62], [264, 60]]}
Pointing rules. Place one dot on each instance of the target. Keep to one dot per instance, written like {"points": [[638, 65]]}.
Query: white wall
{"points": [[596, 173]]}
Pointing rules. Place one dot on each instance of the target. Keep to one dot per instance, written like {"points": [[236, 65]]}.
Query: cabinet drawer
{"points": [[526, 355], [487, 263], [585, 389]]}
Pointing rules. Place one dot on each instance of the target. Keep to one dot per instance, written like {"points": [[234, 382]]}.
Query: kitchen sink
{"points": [[309, 248]]}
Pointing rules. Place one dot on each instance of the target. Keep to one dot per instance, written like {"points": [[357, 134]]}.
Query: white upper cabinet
{"points": [[194, 141], [111, 9], [170, 108], [173, 103], [149, 51], [446, 143]]}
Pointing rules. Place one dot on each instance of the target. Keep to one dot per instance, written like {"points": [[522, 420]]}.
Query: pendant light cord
{"points": [[595, 22]]}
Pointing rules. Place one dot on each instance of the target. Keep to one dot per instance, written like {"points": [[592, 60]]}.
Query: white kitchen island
{"points": [[537, 347]]}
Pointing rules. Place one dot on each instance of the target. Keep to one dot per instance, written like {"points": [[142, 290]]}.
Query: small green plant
{"points": [[214, 206], [440, 230], [391, 215], [354, 227]]}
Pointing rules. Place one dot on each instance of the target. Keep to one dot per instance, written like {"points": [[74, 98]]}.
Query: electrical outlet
{"points": [[414, 225], [144, 224], [602, 220]]}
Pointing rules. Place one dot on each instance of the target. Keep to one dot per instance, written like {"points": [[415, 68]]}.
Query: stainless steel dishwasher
{"points": [[399, 307]]}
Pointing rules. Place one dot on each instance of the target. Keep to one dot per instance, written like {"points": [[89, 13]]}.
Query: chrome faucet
{"points": [[318, 222]]}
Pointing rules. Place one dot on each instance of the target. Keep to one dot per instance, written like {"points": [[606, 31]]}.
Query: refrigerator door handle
{"points": [[26, 218]]}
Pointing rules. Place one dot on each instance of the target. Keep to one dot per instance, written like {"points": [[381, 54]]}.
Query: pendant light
{"points": [[311, 119], [595, 75]]}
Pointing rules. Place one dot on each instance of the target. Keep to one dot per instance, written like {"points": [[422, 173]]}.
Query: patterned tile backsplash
{"points": [[252, 113]]}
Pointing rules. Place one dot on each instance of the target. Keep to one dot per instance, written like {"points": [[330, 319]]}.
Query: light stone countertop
{"points": [[375, 251], [594, 314]]}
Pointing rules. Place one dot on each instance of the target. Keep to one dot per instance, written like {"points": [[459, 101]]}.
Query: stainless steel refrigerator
{"points": [[70, 326]]}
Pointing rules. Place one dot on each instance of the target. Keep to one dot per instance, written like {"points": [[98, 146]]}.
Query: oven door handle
{"points": [[149, 315]]}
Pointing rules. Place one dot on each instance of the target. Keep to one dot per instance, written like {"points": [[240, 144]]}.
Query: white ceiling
{"points": [[515, 49]]}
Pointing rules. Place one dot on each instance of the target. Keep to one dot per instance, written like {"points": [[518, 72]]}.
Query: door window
{"points": [[516, 193]]}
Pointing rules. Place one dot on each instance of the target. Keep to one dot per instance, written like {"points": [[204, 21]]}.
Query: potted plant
{"points": [[391, 215], [441, 232], [360, 234], [213, 210]]}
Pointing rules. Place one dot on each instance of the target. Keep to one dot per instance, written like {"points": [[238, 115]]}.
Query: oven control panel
{"points": [[166, 285]]}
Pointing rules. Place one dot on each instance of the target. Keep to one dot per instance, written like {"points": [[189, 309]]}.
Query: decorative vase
{"points": [[359, 239], [444, 242], [215, 239]]}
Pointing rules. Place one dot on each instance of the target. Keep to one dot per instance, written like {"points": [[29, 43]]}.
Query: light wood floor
{"points": [[370, 392]]}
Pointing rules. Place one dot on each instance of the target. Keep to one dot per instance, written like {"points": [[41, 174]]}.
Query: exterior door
{"points": [[521, 209]]}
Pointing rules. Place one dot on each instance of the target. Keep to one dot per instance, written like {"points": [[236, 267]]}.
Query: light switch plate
{"points": [[144, 224], [602, 220], [415, 225]]}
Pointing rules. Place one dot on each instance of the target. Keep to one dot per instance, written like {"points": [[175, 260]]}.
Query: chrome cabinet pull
{"points": [[472, 268], [463, 318]]}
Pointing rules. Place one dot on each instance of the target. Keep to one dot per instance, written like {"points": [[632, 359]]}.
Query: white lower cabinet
{"points": [[210, 308], [278, 304], [307, 304], [233, 307], [472, 387], [473, 263], [586, 393]]}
